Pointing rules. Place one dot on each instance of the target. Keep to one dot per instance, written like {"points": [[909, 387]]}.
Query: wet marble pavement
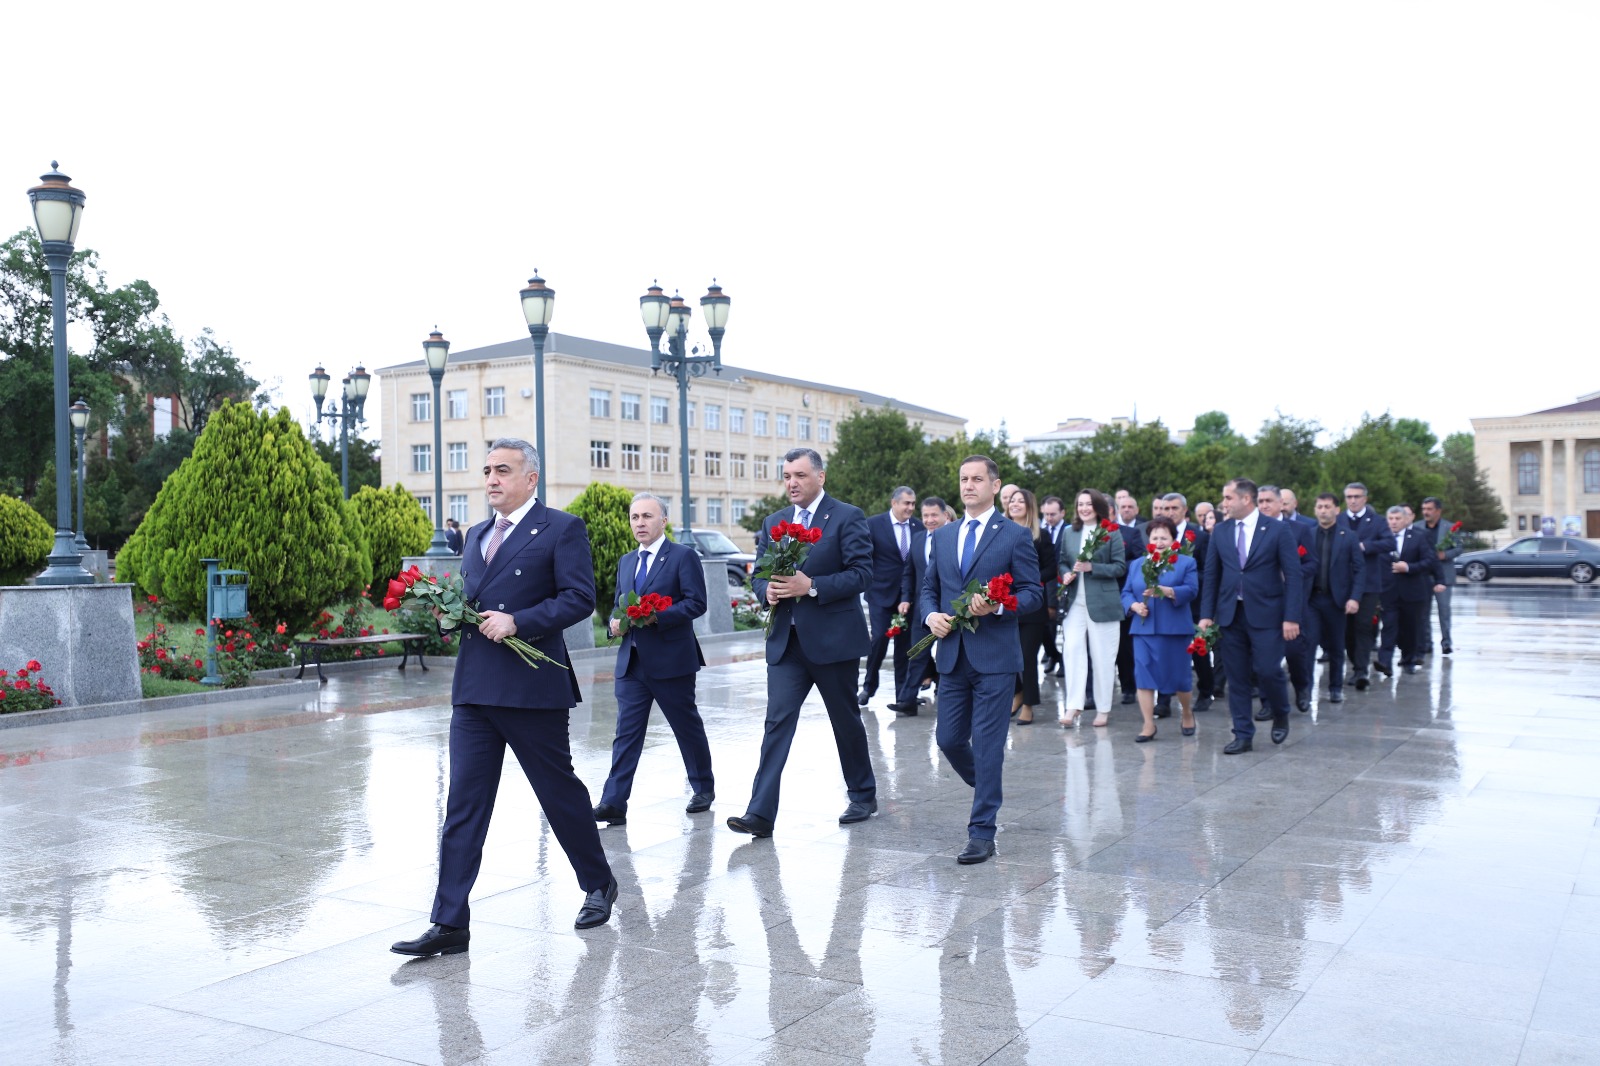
{"points": [[1413, 878]]}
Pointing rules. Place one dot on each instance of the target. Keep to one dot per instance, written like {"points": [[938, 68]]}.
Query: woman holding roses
{"points": [[1033, 627], [1093, 562], [1158, 593]]}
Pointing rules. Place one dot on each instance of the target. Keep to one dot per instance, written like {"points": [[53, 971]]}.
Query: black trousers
{"points": [[1125, 657], [1324, 628], [1032, 635], [1360, 633], [879, 617]]}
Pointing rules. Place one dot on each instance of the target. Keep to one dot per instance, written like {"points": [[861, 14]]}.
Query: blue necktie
{"points": [[644, 568], [969, 547], [804, 516], [1242, 553]]}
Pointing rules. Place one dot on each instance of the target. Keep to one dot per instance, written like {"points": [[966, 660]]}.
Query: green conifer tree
{"points": [[604, 510], [25, 541], [395, 525]]}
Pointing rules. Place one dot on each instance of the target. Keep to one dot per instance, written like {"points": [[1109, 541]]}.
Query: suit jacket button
{"points": [[519, 573], [501, 607]]}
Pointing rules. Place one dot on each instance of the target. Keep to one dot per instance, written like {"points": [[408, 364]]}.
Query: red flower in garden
{"points": [[200, 632], [33, 664], [282, 628], [22, 673]]}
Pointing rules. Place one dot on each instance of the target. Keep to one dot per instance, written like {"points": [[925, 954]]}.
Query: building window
{"points": [[714, 511], [713, 464], [630, 406], [421, 407], [631, 457], [1528, 474], [691, 519], [761, 423], [456, 455], [805, 427], [660, 459], [422, 458], [455, 404], [1591, 470], [736, 420], [658, 410], [736, 510], [494, 401], [736, 465], [694, 456], [762, 470], [427, 506], [599, 403], [600, 454], [783, 425], [458, 509], [713, 416], [690, 415], [824, 430]]}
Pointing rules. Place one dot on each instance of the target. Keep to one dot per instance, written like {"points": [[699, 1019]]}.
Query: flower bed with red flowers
{"points": [[23, 689]]}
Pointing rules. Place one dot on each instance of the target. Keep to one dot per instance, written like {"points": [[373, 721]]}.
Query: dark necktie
{"points": [[903, 535], [500, 527], [644, 569], [969, 547], [1243, 553], [1324, 559]]}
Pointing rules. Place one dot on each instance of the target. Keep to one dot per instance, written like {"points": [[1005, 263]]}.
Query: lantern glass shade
{"points": [[360, 381], [653, 308], [57, 208], [678, 318], [319, 383], [79, 412], [714, 306], [436, 350], [538, 302]]}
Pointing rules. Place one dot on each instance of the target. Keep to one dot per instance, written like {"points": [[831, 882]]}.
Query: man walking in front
{"points": [[1435, 527], [978, 668], [530, 573], [657, 661], [891, 546], [816, 639], [1252, 590]]}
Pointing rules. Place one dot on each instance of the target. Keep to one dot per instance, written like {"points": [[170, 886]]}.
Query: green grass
{"points": [[160, 686]]}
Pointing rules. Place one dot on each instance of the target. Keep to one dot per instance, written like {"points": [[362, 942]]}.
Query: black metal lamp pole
{"points": [[79, 413], [538, 305], [437, 350], [57, 212], [356, 384], [671, 317]]}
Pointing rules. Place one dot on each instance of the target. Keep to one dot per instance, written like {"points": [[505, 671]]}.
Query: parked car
{"points": [[1534, 557], [713, 545]]}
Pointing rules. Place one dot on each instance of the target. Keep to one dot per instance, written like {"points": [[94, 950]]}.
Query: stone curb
{"points": [[54, 715]]}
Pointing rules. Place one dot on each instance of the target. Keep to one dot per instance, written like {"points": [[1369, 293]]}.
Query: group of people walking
{"points": [[987, 590]]}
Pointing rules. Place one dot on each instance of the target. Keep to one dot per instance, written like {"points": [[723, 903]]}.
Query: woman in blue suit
{"points": [[1162, 628]]}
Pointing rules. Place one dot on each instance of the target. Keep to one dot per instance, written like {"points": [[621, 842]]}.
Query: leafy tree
{"points": [[254, 495], [877, 451], [1213, 427], [1285, 453], [1468, 497], [1394, 465], [604, 510], [209, 375], [395, 525], [758, 511], [365, 469], [25, 541]]}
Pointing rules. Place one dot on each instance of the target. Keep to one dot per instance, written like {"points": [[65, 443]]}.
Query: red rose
{"points": [[22, 673], [396, 590], [3, 673], [161, 653], [1302, 551], [33, 664], [282, 628], [1456, 528], [1188, 535], [22, 685], [389, 604]]}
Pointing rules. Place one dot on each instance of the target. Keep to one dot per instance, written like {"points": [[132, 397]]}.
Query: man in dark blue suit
{"points": [[978, 669], [1252, 590], [452, 536], [1413, 579], [1335, 590], [658, 661], [907, 696], [1301, 657], [891, 546], [531, 577], [816, 639], [1375, 541], [1132, 530]]}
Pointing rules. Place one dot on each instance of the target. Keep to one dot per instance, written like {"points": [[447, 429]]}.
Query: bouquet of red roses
{"points": [[1204, 640], [1096, 537], [784, 555], [1187, 543], [897, 625], [1157, 561], [639, 610], [998, 590], [1447, 539], [414, 589]]}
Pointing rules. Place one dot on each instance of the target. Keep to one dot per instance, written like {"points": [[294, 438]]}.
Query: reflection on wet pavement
{"points": [[1413, 878]]}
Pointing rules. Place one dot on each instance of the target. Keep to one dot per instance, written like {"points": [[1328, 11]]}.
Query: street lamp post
{"points": [[79, 413], [538, 304], [671, 317], [354, 403], [57, 212], [436, 350]]}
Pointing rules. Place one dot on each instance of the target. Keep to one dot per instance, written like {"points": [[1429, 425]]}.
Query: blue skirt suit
{"points": [[1161, 639]]}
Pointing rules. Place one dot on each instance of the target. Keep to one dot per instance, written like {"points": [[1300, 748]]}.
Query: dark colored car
{"points": [[713, 545], [1533, 557]]}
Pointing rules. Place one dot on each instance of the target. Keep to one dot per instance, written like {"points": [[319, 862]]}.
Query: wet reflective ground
{"points": [[1413, 878]]}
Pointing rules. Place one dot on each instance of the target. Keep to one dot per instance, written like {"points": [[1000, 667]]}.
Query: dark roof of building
{"points": [[1590, 402], [621, 354]]}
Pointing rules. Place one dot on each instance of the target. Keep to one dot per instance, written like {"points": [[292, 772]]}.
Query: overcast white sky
{"points": [[1027, 213]]}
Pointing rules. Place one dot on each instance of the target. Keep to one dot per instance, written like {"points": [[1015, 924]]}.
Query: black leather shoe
{"points": [[1362, 684], [753, 824], [1412, 668], [1263, 713], [1128, 697], [1163, 708], [862, 697], [1386, 671], [907, 710], [1303, 703], [604, 812], [438, 940], [597, 907], [1280, 731], [1336, 696], [976, 851], [1445, 647], [700, 801], [1236, 746], [1202, 704], [858, 812]]}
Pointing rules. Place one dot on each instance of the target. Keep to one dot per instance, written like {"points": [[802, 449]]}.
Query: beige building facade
{"points": [[608, 418], [1545, 467]]}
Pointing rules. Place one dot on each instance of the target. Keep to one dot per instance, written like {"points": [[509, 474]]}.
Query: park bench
{"points": [[405, 640]]}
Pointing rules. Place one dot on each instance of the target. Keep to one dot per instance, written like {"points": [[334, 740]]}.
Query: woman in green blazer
{"points": [[1091, 606]]}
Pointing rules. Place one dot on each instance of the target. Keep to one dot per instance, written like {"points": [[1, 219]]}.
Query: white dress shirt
{"points": [[515, 516]]}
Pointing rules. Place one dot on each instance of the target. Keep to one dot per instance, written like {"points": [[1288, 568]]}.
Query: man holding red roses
{"points": [[978, 666], [658, 658], [1445, 536]]}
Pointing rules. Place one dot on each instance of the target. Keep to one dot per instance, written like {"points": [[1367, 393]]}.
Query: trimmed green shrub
{"points": [[25, 541], [604, 509], [255, 495], [395, 526]]}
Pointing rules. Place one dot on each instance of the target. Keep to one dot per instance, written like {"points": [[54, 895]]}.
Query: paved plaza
{"points": [[1413, 878]]}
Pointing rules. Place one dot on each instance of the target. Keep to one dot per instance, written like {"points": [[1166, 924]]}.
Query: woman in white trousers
{"points": [[1091, 605]]}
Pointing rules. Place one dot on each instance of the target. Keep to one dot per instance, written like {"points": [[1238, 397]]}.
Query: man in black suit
{"points": [[920, 669], [816, 640], [1435, 526], [1375, 541], [531, 577], [452, 536], [1299, 653], [1335, 590], [891, 546], [1414, 570], [657, 662], [1131, 527], [1053, 515]]}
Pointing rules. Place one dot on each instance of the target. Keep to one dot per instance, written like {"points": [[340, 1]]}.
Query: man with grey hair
{"points": [[891, 544]]}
